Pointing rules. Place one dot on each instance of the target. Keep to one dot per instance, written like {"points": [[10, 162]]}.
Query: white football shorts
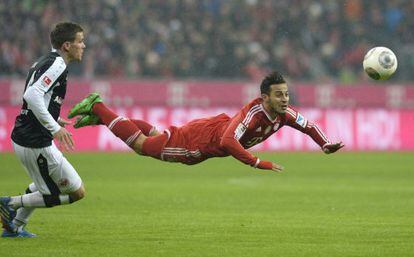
{"points": [[49, 169]]}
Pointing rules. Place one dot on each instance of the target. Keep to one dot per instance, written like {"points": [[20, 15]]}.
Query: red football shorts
{"points": [[172, 146]]}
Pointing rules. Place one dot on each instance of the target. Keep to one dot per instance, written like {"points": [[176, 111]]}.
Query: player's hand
{"points": [[62, 122], [65, 139], [277, 167], [331, 148]]}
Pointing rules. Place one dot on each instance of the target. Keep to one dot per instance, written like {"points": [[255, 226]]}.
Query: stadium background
{"points": [[171, 61]]}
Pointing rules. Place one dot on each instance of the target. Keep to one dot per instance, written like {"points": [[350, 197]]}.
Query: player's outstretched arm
{"points": [[299, 122], [230, 142], [331, 148]]}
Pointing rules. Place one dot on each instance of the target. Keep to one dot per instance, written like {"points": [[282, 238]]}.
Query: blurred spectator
{"points": [[307, 39]]}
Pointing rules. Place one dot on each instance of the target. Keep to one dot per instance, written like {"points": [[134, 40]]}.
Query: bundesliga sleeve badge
{"points": [[301, 120]]}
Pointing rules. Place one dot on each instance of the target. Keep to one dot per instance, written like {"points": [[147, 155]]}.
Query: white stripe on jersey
{"points": [[255, 109], [291, 112], [320, 132], [180, 151], [242, 127]]}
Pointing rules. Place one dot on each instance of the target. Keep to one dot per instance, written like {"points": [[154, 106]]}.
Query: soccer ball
{"points": [[380, 63]]}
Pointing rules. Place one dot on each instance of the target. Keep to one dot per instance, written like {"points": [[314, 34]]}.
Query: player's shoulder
{"points": [[253, 107], [253, 104], [58, 61], [293, 116], [291, 112], [51, 60], [252, 110]]}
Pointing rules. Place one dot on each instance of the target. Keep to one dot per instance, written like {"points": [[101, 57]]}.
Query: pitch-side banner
{"points": [[198, 93], [359, 129]]}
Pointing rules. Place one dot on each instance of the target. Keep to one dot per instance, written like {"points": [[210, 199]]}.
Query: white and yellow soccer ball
{"points": [[380, 63]]}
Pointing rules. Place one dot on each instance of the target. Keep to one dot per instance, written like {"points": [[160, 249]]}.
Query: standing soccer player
{"points": [[216, 136], [55, 181]]}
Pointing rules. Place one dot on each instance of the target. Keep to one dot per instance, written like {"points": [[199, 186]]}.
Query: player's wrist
{"points": [[325, 146], [55, 129]]}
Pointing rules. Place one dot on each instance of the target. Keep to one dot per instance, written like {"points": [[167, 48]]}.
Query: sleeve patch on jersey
{"points": [[241, 128], [301, 120], [46, 81]]}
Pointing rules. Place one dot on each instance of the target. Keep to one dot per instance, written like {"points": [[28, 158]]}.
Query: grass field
{"points": [[347, 204]]}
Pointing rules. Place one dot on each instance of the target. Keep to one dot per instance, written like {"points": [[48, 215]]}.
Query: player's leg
{"points": [[20, 221], [87, 117], [56, 183], [146, 128], [92, 120], [121, 127], [152, 146], [55, 180], [137, 134], [23, 214]]}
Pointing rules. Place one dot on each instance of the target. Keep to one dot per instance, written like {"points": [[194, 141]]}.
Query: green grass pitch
{"points": [[346, 204]]}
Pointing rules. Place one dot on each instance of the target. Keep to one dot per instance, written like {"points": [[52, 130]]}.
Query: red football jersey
{"points": [[222, 136]]}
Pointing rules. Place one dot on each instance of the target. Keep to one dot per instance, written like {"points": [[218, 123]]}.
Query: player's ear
{"points": [[265, 96], [65, 46]]}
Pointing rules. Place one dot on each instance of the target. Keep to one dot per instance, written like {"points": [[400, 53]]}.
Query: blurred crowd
{"points": [[231, 39]]}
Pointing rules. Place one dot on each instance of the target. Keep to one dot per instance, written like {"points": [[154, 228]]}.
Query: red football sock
{"points": [[121, 127], [144, 126]]}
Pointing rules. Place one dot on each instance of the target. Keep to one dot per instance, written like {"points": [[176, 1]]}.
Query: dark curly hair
{"points": [[64, 31], [271, 79]]}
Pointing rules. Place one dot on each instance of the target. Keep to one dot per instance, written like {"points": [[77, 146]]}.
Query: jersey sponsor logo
{"points": [[241, 128], [253, 141], [46, 80], [301, 120]]}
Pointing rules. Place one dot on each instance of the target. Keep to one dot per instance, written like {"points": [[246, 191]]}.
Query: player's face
{"points": [[75, 50], [278, 99]]}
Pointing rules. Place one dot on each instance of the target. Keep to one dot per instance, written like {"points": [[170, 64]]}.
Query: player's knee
{"points": [[138, 143], [78, 194], [154, 133], [51, 200]]}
